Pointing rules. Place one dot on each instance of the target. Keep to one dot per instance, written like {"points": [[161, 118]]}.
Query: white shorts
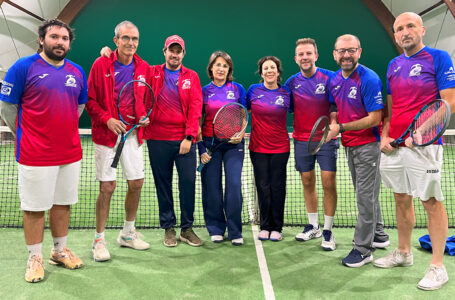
{"points": [[416, 171], [131, 160], [42, 187]]}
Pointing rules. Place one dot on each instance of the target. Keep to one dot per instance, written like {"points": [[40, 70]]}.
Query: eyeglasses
{"points": [[127, 39], [350, 51]]}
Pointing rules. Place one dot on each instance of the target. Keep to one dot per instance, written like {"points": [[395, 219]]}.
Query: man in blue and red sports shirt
{"points": [[356, 92], [418, 76], [42, 98], [310, 100], [171, 139]]}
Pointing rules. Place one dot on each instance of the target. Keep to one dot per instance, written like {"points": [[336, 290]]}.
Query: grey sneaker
{"points": [[188, 236], [435, 277], [132, 240], [170, 239], [395, 259]]}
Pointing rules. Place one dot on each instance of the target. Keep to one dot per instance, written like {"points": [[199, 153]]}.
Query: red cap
{"points": [[174, 39]]}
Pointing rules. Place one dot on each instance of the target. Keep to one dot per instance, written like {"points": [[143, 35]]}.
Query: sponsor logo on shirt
{"points": [[6, 88], [433, 171], [397, 69], [378, 98], [43, 76], [260, 96], [415, 70], [211, 95], [107, 75], [186, 84], [70, 81], [336, 88], [279, 100], [450, 71], [320, 89], [230, 95], [115, 73], [297, 86], [353, 92]]}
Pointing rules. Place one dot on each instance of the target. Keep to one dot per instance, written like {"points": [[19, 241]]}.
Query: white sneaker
{"points": [[308, 233], [237, 242], [328, 241], [395, 259], [435, 277], [132, 240], [99, 251], [217, 238]]}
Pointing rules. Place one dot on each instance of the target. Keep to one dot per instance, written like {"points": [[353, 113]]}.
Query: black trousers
{"points": [[270, 178]]}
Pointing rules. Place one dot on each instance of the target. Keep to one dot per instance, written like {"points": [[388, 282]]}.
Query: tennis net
{"points": [[83, 213]]}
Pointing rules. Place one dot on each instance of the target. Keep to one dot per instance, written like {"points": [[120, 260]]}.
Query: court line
{"points": [[265, 275]]}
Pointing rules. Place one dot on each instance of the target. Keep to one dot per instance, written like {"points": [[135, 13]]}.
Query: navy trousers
{"points": [[223, 210], [162, 156]]}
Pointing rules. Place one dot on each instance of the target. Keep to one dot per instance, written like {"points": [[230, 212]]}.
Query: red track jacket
{"points": [[101, 105], [190, 93]]}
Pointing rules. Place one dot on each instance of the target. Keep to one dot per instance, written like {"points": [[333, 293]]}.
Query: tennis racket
{"points": [[318, 134], [126, 107], [428, 125], [230, 121]]}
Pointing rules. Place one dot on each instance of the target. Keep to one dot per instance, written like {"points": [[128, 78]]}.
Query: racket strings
{"points": [[231, 120], [430, 123]]}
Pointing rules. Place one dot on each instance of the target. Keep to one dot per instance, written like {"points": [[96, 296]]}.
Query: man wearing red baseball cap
{"points": [[171, 139]]}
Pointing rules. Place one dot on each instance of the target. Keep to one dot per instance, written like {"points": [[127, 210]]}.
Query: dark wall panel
{"points": [[247, 30]]}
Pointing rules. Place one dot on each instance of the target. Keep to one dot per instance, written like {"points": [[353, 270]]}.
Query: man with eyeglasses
{"points": [[107, 77], [355, 93]]}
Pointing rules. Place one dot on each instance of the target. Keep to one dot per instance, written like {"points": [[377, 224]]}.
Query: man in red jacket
{"points": [[171, 139], [107, 77]]}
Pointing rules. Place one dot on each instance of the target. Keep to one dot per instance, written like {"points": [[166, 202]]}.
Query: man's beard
{"points": [[49, 51]]}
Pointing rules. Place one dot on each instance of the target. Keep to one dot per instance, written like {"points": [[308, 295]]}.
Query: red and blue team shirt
{"points": [[415, 81], [47, 121], [169, 116], [269, 110], [310, 100], [214, 97], [355, 97], [123, 74]]}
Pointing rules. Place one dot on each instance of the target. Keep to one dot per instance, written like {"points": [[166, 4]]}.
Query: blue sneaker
{"points": [[308, 233], [356, 259], [328, 241]]}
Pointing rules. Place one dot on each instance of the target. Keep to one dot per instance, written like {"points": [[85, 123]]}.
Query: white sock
{"points": [[328, 222], [35, 249], [313, 219], [99, 236], [59, 243], [127, 227]]}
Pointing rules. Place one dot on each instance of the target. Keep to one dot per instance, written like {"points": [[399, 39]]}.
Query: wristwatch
{"points": [[341, 128], [189, 138]]}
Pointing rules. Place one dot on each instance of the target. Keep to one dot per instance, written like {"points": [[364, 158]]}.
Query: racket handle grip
{"points": [[117, 154], [201, 166], [395, 143]]}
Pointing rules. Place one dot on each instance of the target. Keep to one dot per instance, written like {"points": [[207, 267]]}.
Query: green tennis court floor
{"points": [[216, 271]]}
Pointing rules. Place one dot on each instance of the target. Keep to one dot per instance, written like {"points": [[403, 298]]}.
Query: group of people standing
{"points": [[44, 94]]}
